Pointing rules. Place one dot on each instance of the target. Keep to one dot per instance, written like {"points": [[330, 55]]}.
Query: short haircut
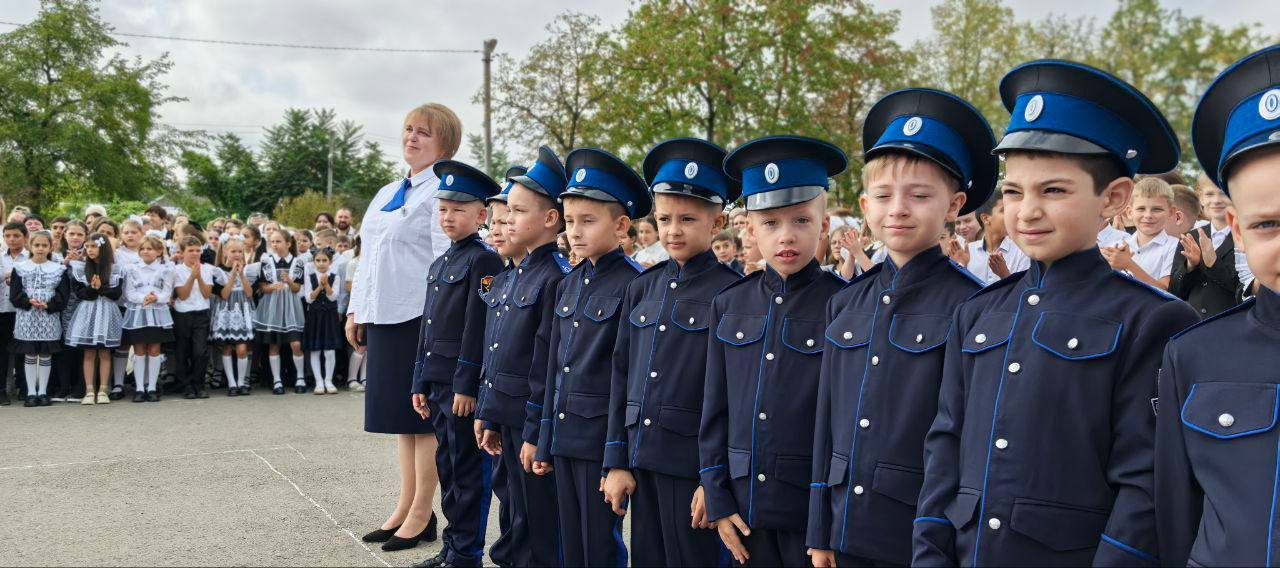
{"points": [[159, 211], [233, 223], [16, 226], [1186, 200], [631, 231], [443, 124], [895, 162], [344, 239], [1203, 181], [988, 206], [1102, 168], [1170, 177], [190, 241], [326, 234], [61, 219], [1153, 188], [615, 209], [36, 217], [727, 236]]}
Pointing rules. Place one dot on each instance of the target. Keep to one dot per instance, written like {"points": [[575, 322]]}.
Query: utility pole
{"points": [[489, 45], [328, 187]]}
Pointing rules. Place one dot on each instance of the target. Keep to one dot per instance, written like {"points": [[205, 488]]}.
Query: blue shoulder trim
{"points": [[636, 265], [1163, 294], [1131, 550], [488, 247], [1006, 281], [1234, 309], [565, 266], [965, 272]]}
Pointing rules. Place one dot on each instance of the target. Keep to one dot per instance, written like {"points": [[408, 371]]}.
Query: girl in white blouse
{"points": [[147, 321]]}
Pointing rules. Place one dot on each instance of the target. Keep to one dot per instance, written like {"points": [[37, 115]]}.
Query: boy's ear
{"points": [[1116, 197], [957, 201], [1234, 222]]}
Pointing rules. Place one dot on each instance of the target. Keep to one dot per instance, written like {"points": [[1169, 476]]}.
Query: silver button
{"points": [[566, 369], [1002, 444], [507, 308], [760, 477], [522, 299], [885, 299], [1014, 367], [808, 343], [673, 285], [647, 422], [446, 259], [490, 384], [662, 327], [586, 280], [1226, 420], [777, 300], [575, 324], [768, 356], [504, 296], [599, 313], [739, 335], [920, 338], [653, 374], [495, 346], [563, 309], [428, 321], [691, 320], [875, 360], [1073, 343], [857, 490], [561, 416], [864, 423], [1033, 299], [520, 271], [643, 319], [428, 354], [497, 314], [848, 335], [764, 416], [980, 338], [994, 523]]}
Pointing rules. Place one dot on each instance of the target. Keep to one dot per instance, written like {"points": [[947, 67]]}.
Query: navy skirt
{"points": [[389, 360]]}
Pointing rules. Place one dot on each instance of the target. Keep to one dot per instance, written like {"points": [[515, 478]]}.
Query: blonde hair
{"points": [[896, 163], [1153, 188], [443, 124], [1186, 200], [154, 243]]}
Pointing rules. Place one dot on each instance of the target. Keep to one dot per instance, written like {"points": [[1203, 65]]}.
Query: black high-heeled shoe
{"points": [[428, 534], [380, 535]]}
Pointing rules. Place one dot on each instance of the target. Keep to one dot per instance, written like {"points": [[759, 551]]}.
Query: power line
{"points": [[279, 45]]}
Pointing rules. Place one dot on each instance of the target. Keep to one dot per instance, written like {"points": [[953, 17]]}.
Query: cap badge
{"points": [[1269, 105], [691, 170], [771, 173], [912, 126], [582, 174], [448, 180], [1034, 107]]}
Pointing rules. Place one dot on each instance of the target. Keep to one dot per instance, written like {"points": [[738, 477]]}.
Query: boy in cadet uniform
{"points": [[1041, 452], [446, 378], [1216, 436], [655, 401], [763, 355], [516, 358], [604, 194], [928, 160]]}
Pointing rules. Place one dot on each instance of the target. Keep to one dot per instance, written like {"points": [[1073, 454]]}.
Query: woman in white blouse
{"points": [[400, 237]]}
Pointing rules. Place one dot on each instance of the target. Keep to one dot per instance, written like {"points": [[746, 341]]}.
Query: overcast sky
{"points": [[241, 89]]}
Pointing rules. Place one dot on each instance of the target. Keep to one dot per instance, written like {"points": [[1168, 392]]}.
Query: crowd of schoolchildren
{"points": [[86, 303], [1042, 349]]}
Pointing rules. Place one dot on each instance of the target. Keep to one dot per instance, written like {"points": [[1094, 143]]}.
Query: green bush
{"points": [[300, 211]]}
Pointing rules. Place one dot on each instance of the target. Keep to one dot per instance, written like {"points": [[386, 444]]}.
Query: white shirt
{"points": [[1244, 272], [1156, 257], [651, 255], [979, 258], [307, 288], [1109, 236], [196, 301], [142, 279], [398, 248], [6, 269], [1219, 235]]}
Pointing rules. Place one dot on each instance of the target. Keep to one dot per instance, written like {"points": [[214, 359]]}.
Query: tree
{"points": [[70, 114], [500, 160], [227, 178]]}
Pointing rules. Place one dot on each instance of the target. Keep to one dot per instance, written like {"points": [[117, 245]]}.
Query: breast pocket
{"points": [[599, 309], [691, 316], [645, 314], [919, 333], [1076, 337], [525, 295], [803, 335], [455, 274], [1230, 422], [740, 330]]}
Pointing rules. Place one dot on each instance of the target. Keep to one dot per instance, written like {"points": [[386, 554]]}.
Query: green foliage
{"points": [[300, 211]]}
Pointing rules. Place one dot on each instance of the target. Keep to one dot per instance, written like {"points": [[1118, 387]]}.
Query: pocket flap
{"points": [[793, 470], [490, 298], [446, 348], [919, 333], [736, 329], [1231, 410], [1059, 527], [802, 335], [690, 315], [525, 295], [455, 273], [902, 484], [566, 305], [587, 405], [645, 314], [960, 512], [739, 463], [990, 331], [633, 414], [682, 421], [600, 308], [511, 385], [850, 329], [1076, 337], [836, 473]]}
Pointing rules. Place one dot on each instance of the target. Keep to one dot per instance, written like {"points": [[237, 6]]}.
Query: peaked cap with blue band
{"points": [[460, 182], [691, 167], [602, 176], [1072, 108], [512, 172], [1239, 112], [779, 171], [940, 127], [546, 174]]}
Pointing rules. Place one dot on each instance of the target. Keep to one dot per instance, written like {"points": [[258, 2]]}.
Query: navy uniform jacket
{"points": [[763, 358], [516, 354], [655, 402], [1217, 445], [499, 288], [576, 404], [1042, 450], [451, 339], [877, 396], [1208, 290]]}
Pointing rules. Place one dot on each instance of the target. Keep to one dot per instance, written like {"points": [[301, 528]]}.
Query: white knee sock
{"points": [[45, 366], [229, 371], [242, 365], [32, 374], [275, 368], [355, 366], [331, 360], [153, 372], [140, 373], [119, 365], [316, 365], [300, 368]]}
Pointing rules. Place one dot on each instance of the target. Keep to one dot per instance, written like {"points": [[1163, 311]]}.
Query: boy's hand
{"points": [[997, 264], [542, 468], [527, 451], [822, 558], [698, 511], [729, 527], [463, 405], [619, 485], [1119, 256], [1208, 255], [1191, 250], [420, 406], [959, 252], [490, 441]]}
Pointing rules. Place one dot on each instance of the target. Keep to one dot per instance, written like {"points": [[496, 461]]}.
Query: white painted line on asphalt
{"points": [[295, 450], [138, 458], [322, 509]]}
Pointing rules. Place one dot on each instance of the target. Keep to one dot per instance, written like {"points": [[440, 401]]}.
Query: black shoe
{"points": [[32, 402], [189, 395], [300, 389], [4, 397], [278, 389], [244, 391], [233, 391], [201, 394], [153, 396], [116, 393], [434, 561], [139, 396], [430, 534], [44, 400], [380, 535]]}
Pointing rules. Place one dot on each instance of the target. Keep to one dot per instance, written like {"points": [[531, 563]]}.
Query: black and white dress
{"points": [[38, 331], [152, 323], [279, 317], [97, 320], [232, 318], [323, 331]]}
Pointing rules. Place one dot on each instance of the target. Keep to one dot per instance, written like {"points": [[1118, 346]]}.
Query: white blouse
{"points": [[398, 248]]}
